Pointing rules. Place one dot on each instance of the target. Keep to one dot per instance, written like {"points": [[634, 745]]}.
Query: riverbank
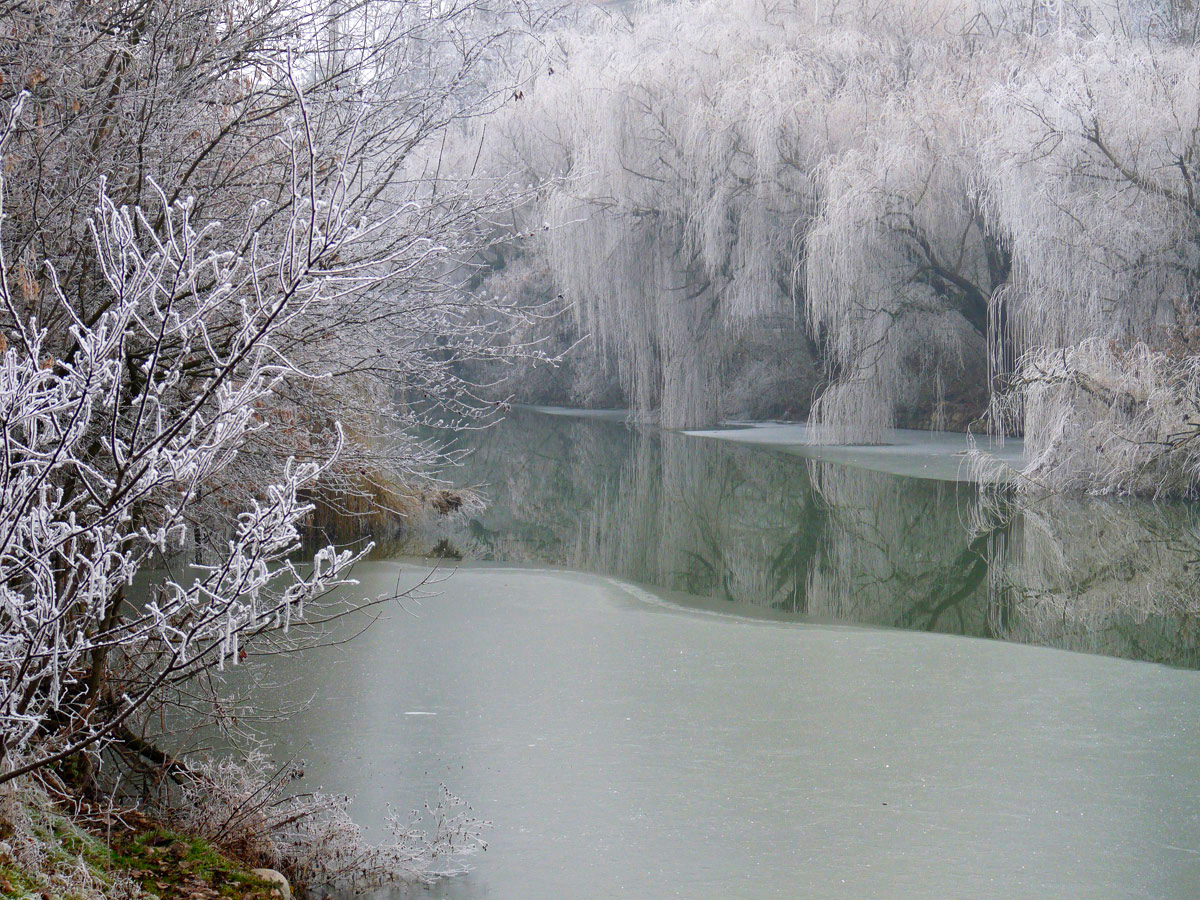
{"points": [[48, 855]]}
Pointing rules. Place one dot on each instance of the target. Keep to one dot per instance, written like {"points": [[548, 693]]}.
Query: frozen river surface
{"points": [[627, 746], [940, 455]]}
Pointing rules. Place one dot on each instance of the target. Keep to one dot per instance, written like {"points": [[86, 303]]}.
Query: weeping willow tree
{"points": [[949, 204], [668, 235], [901, 264], [1103, 213], [714, 165]]}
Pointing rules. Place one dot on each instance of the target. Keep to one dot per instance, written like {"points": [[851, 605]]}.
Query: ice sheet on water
{"points": [[676, 751], [940, 455]]}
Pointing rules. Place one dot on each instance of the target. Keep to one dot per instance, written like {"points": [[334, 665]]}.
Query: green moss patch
{"points": [[164, 863], [172, 866]]}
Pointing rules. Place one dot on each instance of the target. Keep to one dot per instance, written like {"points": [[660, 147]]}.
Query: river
{"points": [[673, 666]]}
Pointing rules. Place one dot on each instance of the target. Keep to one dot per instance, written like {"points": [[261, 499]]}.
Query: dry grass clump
{"points": [[1105, 419], [115, 855], [375, 503], [200, 840], [252, 811]]}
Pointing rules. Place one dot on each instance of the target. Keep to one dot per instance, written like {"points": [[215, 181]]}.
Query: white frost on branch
{"points": [[946, 194], [104, 450]]}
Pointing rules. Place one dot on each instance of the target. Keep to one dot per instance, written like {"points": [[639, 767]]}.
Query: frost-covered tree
{"points": [[108, 450], [204, 99], [1102, 211], [714, 165], [901, 265], [232, 276], [952, 199], [619, 122]]}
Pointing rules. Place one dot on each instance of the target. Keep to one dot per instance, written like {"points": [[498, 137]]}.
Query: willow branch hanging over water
{"points": [[955, 202]]}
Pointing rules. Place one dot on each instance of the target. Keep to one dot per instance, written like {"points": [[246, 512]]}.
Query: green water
{"points": [[760, 530], [626, 746]]}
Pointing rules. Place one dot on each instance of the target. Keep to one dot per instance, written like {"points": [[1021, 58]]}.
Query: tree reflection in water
{"points": [[754, 528]]}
